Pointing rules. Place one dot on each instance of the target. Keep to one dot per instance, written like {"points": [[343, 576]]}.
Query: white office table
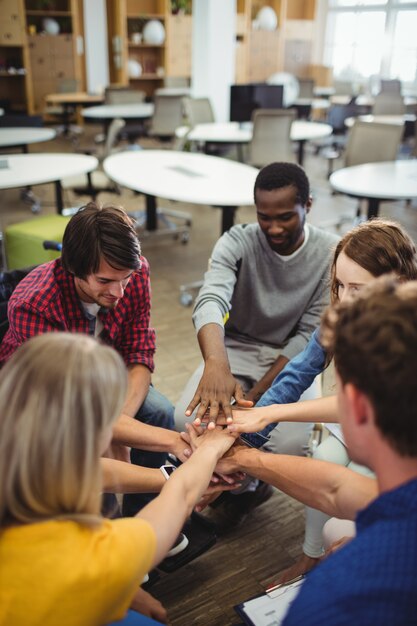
{"points": [[407, 118], [232, 132], [375, 182], [141, 110], [23, 136], [185, 177], [22, 170]]}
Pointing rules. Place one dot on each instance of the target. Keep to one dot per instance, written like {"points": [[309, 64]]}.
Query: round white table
{"points": [[185, 177], [375, 182], [232, 132], [22, 170], [141, 110], [382, 119], [22, 136]]}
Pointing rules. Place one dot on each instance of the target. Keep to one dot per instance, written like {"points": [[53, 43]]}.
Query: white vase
{"points": [[154, 32], [50, 26], [267, 19], [134, 68]]}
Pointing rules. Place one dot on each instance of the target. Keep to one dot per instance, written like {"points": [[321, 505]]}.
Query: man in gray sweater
{"points": [[262, 297]]}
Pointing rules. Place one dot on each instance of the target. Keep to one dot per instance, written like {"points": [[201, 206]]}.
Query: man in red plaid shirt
{"points": [[101, 286]]}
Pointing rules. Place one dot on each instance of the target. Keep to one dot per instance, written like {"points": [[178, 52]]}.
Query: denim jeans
{"points": [[155, 411]]}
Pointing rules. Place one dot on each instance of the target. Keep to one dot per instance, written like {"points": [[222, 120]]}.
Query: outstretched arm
{"points": [[168, 511], [335, 490], [217, 386], [257, 418]]}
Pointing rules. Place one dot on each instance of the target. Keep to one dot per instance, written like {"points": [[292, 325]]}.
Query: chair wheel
{"points": [[185, 238], [186, 299]]}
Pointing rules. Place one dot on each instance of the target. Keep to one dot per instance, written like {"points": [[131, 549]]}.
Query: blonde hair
{"points": [[59, 394]]}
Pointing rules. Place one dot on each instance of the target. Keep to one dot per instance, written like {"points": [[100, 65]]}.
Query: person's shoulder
{"points": [[319, 236], [40, 286]]}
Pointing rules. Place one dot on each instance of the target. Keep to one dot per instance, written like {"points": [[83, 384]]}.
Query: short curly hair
{"points": [[374, 341], [279, 175]]}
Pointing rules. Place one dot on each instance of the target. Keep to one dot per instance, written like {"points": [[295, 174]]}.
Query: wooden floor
{"points": [[238, 566]]}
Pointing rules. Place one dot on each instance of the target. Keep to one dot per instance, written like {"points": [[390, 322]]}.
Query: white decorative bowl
{"points": [[154, 32], [134, 68], [50, 26], [267, 19]]}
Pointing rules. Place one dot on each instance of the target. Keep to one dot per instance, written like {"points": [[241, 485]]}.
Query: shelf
{"points": [[145, 45], [145, 16], [48, 13], [4, 74], [147, 77]]}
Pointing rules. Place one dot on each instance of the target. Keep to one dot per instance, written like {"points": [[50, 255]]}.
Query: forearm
{"points": [[319, 410], [139, 379], [211, 342], [131, 432], [119, 477], [335, 490]]}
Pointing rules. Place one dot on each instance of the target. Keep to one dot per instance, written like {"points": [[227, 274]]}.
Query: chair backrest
{"points": [[198, 111], [176, 81], [271, 136], [168, 115], [8, 282], [388, 103], [123, 95], [306, 87], [68, 85], [390, 86], [370, 142], [337, 114], [113, 134]]}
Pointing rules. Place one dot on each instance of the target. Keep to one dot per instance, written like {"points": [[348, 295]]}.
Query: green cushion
{"points": [[24, 240]]}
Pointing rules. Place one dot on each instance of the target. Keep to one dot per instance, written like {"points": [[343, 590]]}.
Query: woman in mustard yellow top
{"points": [[60, 561]]}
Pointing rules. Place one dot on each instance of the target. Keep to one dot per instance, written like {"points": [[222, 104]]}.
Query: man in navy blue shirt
{"points": [[372, 579]]}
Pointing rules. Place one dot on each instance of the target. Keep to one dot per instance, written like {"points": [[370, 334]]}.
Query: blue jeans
{"points": [[155, 411]]}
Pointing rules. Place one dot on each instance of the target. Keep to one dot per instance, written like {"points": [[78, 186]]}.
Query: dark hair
{"points": [[380, 247], [374, 341], [96, 232], [279, 175]]}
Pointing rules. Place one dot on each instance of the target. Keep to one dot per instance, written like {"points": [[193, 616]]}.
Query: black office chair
{"points": [[8, 283]]}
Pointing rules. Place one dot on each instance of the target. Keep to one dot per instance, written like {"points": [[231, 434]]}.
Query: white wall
{"points": [[213, 60], [95, 45]]}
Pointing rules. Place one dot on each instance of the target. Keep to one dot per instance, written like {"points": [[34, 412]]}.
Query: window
{"points": [[372, 37]]}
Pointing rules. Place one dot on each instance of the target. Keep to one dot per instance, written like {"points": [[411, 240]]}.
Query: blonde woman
{"points": [[60, 561]]}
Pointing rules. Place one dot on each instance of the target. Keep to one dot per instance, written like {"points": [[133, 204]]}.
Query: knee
{"points": [[157, 410]]}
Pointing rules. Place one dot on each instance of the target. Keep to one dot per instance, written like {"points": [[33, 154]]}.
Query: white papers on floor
{"points": [[270, 609]]}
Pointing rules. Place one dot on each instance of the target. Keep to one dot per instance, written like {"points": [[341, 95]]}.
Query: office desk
{"points": [[22, 136], [376, 182], [141, 110], [36, 169], [232, 132], [72, 100], [185, 177]]}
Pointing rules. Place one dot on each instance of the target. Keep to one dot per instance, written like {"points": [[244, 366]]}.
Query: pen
{"points": [[289, 582]]}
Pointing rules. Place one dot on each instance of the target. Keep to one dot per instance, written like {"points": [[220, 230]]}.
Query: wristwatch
{"points": [[167, 470]]}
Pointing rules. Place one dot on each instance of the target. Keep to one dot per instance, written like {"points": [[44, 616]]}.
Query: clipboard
{"points": [[269, 609]]}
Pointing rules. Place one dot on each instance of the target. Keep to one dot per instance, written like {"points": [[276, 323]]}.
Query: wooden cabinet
{"points": [[15, 92], [56, 61], [126, 21]]}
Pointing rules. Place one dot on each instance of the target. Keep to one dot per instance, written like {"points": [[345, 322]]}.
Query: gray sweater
{"points": [[270, 300]]}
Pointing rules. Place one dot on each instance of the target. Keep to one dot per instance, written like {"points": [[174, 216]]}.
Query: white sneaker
{"points": [[180, 544]]}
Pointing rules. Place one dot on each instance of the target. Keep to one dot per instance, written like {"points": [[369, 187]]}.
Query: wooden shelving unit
{"points": [[172, 58]]}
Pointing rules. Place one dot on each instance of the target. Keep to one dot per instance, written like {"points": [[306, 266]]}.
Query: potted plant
{"points": [[180, 7]]}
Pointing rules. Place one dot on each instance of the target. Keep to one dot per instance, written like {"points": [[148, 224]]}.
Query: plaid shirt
{"points": [[46, 301]]}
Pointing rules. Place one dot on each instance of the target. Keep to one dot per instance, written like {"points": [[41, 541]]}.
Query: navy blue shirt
{"points": [[372, 581]]}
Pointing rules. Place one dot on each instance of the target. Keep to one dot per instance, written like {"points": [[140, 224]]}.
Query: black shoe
{"points": [[229, 510]]}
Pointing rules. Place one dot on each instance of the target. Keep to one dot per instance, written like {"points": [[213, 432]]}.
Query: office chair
{"points": [[168, 116], [271, 137], [306, 87], [8, 282], [198, 111], [64, 112], [390, 85], [369, 142], [123, 95], [96, 182], [388, 103]]}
